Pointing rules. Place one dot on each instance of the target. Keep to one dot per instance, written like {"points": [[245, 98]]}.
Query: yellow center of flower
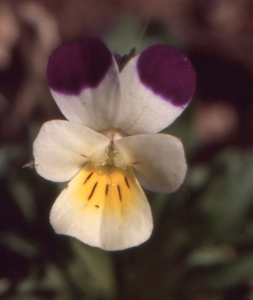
{"points": [[105, 188]]}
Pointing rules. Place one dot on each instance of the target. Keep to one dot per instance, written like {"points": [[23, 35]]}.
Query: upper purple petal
{"points": [[168, 73], [76, 66]]}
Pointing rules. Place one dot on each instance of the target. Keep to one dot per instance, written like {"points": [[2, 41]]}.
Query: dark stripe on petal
{"points": [[127, 183], [93, 190], [88, 177], [76, 66], [168, 73], [119, 191]]}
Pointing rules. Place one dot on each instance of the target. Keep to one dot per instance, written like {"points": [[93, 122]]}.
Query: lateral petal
{"points": [[62, 148], [158, 160], [156, 87], [84, 81], [104, 207]]}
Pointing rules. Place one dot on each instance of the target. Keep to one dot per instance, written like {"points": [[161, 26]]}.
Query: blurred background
{"points": [[202, 244]]}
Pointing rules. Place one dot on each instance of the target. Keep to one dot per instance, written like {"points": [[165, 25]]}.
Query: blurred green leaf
{"points": [[230, 197], [233, 273], [27, 285], [23, 196], [92, 270], [18, 244], [208, 256], [197, 177], [126, 35], [7, 155], [53, 279]]}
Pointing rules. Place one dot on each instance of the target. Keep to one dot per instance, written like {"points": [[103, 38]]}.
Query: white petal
{"points": [[84, 81], [156, 86], [103, 207], [94, 107], [62, 148], [158, 160]]}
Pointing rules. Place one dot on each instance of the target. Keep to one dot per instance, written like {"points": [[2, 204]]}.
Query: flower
{"points": [[109, 145]]}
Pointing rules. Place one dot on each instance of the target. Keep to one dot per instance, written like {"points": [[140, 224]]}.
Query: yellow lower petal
{"points": [[104, 206], [107, 188]]}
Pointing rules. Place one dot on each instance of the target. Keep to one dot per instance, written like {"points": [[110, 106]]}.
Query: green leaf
{"points": [[230, 198], [209, 256], [18, 244], [92, 270], [234, 273]]}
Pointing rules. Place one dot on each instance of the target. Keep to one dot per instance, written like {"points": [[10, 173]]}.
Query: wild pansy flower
{"points": [[109, 146]]}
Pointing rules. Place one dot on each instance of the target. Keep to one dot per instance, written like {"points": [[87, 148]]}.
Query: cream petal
{"points": [[62, 148], [156, 86], [104, 207], [158, 160], [84, 81]]}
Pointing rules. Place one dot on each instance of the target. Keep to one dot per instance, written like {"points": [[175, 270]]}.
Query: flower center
{"points": [[110, 156]]}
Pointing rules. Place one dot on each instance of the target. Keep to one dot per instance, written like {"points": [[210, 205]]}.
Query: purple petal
{"points": [[168, 73], [73, 67]]}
